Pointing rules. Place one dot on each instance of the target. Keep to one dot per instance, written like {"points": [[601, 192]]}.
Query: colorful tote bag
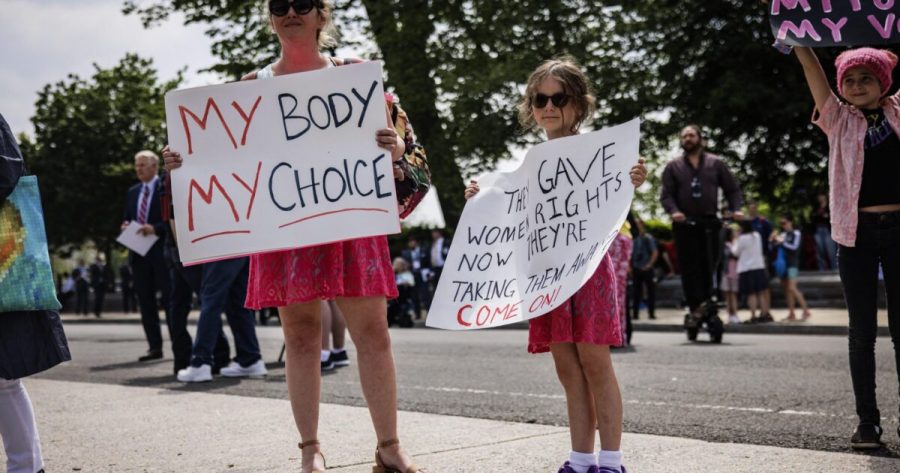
{"points": [[26, 280]]}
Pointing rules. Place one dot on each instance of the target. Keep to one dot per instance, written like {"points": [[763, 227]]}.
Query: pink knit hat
{"points": [[879, 61]]}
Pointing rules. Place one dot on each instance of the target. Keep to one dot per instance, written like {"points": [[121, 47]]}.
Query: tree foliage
{"points": [[459, 67], [87, 132]]}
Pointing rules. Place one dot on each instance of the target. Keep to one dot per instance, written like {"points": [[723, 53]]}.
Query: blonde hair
{"points": [[566, 70], [400, 265], [326, 36], [154, 159]]}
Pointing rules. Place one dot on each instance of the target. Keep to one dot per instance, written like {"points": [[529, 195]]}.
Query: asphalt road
{"points": [[779, 390]]}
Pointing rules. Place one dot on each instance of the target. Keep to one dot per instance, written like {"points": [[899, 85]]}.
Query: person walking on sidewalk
{"points": [[729, 285], [643, 259], [826, 249], [357, 273], [101, 279], [82, 288], [30, 342], [142, 205], [753, 279], [690, 193], [223, 288], [579, 333], [863, 166], [789, 243]]}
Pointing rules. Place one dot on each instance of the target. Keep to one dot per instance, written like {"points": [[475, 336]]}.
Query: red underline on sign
{"points": [[330, 213], [219, 234]]}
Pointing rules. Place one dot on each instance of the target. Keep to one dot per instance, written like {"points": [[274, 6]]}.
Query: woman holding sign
{"points": [[357, 274], [558, 99], [863, 169]]}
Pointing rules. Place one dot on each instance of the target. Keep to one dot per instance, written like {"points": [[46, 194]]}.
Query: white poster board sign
{"points": [[280, 163], [532, 237]]}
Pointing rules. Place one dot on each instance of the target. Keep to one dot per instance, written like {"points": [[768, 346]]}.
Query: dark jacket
{"points": [[30, 342], [677, 196], [154, 217]]}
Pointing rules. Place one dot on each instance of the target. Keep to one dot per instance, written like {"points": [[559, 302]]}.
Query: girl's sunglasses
{"points": [[559, 100], [301, 7]]}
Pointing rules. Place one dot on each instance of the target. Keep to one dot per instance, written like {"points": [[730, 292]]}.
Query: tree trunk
{"points": [[409, 66]]}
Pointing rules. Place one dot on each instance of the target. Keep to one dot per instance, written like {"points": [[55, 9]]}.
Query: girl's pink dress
{"points": [[353, 268], [620, 252], [590, 316]]}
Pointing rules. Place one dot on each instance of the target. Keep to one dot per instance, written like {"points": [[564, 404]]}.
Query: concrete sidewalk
{"points": [[110, 428], [824, 321]]}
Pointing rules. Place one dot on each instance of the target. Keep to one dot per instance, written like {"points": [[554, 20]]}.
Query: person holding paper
{"points": [[558, 99], [357, 274], [142, 206], [863, 167]]}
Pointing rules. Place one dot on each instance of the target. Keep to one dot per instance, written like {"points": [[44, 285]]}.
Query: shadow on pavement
{"points": [[127, 365]]}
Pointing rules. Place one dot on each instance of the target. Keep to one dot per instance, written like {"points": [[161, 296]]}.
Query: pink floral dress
{"points": [[590, 316], [353, 268]]}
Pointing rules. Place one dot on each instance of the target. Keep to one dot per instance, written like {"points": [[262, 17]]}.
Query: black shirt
{"points": [[881, 165]]}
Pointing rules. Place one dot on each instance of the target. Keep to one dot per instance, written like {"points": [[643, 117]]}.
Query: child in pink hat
{"points": [[862, 126]]}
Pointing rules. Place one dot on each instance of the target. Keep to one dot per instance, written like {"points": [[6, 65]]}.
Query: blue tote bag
{"points": [[26, 279]]}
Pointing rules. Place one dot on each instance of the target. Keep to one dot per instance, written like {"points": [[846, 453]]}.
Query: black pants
{"points": [[877, 240], [99, 296], [150, 276], [186, 282], [81, 299], [643, 279], [697, 242], [129, 304]]}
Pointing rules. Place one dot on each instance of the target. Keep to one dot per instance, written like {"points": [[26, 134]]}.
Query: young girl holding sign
{"points": [[863, 171], [558, 99]]}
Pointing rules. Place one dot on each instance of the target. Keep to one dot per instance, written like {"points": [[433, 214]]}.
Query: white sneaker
{"points": [[235, 370], [734, 319], [195, 374]]}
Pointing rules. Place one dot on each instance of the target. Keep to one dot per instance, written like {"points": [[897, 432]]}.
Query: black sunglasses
{"points": [[301, 7], [559, 100]]}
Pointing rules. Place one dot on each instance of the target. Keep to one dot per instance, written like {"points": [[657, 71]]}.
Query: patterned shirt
{"points": [[846, 128]]}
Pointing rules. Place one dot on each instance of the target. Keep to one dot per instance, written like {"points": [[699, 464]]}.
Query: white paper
{"points": [[134, 241], [531, 238]]}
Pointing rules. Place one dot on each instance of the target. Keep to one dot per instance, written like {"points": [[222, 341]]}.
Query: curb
{"points": [[757, 329]]}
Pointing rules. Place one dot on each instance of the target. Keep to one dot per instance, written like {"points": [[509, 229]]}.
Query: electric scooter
{"points": [[706, 315]]}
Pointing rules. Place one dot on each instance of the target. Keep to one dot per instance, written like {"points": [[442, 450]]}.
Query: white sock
{"points": [[608, 459], [337, 350], [581, 462], [325, 355]]}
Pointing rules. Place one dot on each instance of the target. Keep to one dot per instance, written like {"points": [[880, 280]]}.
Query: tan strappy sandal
{"points": [[380, 467], [311, 443]]}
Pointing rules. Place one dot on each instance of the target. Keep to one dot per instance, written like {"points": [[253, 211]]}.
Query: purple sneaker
{"points": [[568, 469]]}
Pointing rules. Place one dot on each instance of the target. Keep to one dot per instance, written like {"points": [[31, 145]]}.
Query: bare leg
{"points": [[765, 298], [799, 297], [753, 303], [596, 363], [302, 327], [338, 326], [789, 297], [731, 301], [367, 320], [327, 324], [579, 399]]}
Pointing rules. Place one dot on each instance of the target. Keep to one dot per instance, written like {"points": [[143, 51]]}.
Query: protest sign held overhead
{"points": [[835, 22], [532, 237], [281, 163]]}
